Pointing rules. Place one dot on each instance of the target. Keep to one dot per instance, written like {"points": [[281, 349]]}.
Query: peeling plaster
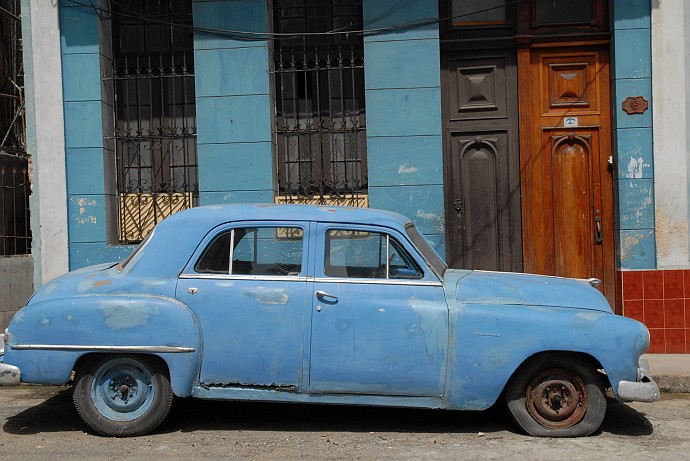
{"points": [[636, 167], [402, 169], [629, 244], [671, 239]]}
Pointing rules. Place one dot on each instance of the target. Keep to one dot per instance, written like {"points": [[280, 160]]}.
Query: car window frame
{"points": [[429, 276], [189, 271]]}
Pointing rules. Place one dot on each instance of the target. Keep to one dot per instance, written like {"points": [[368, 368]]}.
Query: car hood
{"points": [[502, 288]]}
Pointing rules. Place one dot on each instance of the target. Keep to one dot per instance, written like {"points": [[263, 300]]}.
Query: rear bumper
{"points": [[9, 374], [644, 389]]}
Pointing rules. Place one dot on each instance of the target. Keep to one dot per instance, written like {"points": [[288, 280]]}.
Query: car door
{"points": [[379, 318], [247, 285]]}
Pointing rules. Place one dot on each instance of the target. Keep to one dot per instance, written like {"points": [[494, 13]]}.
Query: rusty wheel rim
{"points": [[557, 398]]}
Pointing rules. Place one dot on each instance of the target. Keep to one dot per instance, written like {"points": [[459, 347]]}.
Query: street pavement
{"points": [[670, 371]]}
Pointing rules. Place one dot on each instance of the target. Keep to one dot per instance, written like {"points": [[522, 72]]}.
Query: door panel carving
{"points": [[572, 197], [478, 164], [572, 84], [478, 88]]}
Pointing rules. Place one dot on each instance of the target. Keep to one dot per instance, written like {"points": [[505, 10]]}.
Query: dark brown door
{"points": [[567, 205], [481, 144]]}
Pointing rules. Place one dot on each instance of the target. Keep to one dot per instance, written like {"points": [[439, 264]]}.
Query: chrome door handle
{"points": [[192, 290], [323, 294]]}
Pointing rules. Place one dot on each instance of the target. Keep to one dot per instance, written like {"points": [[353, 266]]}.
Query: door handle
{"points": [[598, 236], [323, 294]]}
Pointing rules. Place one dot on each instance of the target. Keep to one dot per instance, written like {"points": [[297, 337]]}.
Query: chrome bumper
{"points": [[9, 374], [642, 390]]}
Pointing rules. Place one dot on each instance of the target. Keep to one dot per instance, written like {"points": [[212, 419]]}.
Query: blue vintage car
{"points": [[309, 304]]}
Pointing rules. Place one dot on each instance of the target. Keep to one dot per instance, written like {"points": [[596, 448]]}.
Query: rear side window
{"points": [[359, 254], [254, 251]]}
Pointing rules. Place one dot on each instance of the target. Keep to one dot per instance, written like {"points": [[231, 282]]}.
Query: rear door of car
{"points": [[247, 285], [379, 323]]}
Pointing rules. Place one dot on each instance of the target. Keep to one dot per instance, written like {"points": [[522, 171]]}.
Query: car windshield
{"points": [[432, 258]]}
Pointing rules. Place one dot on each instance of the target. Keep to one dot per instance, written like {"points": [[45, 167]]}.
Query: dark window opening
{"points": [[319, 85], [15, 184], [154, 132], [254, 251]]}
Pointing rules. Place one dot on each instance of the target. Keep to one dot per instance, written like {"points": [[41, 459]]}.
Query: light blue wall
{"points": [[83, 110], [403, 100], [234, 105], [634, 183]]}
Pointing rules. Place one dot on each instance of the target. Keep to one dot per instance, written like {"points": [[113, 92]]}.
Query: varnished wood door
{"points": [[482, 159], [565, 144]]}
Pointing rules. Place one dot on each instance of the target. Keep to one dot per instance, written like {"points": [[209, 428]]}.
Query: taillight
{"points": [[6, 336]]}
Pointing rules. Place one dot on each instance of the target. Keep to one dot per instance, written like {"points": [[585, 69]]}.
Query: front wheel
{"points": [[557, 397], [122, 396]]}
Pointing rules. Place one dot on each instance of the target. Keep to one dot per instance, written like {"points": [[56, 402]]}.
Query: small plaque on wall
{"points": [[635, 105]]}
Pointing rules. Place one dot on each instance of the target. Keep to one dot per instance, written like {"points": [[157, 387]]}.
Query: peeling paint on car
{"points": [[130, 315], [266, 295]]}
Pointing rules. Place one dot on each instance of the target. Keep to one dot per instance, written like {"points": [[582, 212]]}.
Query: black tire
{"points": [[557, 397], [122, 396]]}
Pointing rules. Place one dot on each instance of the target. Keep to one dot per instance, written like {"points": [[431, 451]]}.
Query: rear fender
{"points": [[47, 338]]}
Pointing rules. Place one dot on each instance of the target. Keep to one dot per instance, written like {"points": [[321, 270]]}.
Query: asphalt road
{"points": [[40, 422]]}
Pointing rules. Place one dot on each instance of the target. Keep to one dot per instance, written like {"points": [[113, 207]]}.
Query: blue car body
{"points": [[417, 334]]}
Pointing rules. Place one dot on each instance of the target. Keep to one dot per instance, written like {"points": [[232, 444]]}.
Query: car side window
{"points": [[254, 251], [360, 254]]}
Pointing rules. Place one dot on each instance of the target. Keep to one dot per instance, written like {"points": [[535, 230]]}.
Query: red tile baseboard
{"points": [[661, 300]]}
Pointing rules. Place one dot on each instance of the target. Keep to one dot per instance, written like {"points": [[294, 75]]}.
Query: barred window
{"points": [[318, 73], [15, 186], [154, 123]]}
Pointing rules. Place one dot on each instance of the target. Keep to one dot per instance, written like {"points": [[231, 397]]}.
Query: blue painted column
{"points": [[233, 103], [403, 103], [632, 73], [84, 109]]}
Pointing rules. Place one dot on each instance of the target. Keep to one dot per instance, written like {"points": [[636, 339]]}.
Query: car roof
{"points": [[177, 236], [210, 216]]}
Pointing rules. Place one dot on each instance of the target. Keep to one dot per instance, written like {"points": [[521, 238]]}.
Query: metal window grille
{"points": [[320, 111], [152, 76], [15, 232], [15, 185]]}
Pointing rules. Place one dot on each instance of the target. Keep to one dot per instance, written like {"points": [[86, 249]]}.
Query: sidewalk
{"points": [[670, 371]]}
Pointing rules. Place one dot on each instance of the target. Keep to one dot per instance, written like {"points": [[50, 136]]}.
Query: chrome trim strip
{"points": [[70, 347], [379, 281], [290, 278], [277, 278]]}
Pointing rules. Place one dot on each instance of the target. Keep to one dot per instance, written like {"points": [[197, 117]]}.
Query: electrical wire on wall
{"points": [[105, 13]]}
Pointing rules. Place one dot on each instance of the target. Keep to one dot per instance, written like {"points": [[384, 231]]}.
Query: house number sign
{"points": [[635, 105]]}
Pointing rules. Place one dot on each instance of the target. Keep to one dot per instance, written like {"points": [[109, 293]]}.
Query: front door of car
{"points": [[247, 286], [379, 317]]}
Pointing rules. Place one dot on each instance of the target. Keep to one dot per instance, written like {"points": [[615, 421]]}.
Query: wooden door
{"points": [[481, 145], [565, 144]]}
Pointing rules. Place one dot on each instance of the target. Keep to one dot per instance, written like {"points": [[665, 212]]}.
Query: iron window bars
{"points": [[154, 132], [320, 110]]}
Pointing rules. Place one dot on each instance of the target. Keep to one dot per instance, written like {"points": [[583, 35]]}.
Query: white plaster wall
{"points": [[670, 134], [45, 138]]}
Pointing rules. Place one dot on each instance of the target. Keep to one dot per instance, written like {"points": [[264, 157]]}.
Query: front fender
{"points": [[48, 337], [490, 342]]}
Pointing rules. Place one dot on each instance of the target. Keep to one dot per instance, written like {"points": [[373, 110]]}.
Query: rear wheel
{"points": [[123, 395], [557, 397]]}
